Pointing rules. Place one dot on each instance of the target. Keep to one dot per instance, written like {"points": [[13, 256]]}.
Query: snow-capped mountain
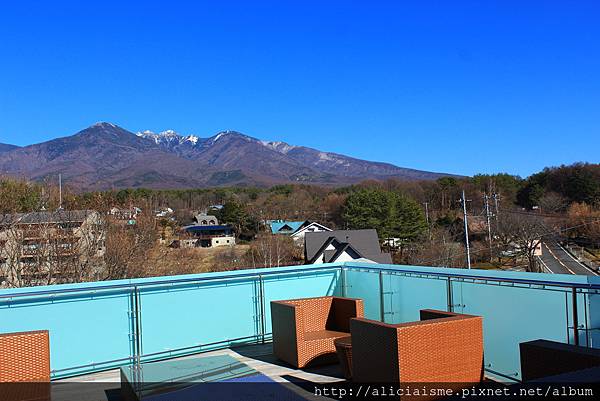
{"points": [[106, 156], [168, 137]]}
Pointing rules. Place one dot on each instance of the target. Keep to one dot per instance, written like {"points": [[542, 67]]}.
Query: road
{"points": [[557, 260]]}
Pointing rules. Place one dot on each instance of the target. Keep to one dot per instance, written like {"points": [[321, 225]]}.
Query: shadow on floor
{"points": [[322, 366], [114, 394]]}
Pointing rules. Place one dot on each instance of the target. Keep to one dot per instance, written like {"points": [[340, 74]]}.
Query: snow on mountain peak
{"points": [[104, 124], [169, 137], [280, 147], [192, 138], [169, 133], [231, 133]]}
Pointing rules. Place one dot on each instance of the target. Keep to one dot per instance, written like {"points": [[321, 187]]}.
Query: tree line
{"points": [[424, 217]]}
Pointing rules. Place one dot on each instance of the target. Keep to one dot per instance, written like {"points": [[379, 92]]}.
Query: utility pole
{"points": [[59, 191], [464, 205], [427, 218], [487, 217], [495, 196]]}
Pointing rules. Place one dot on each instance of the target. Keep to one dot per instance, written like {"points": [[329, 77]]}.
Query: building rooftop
{"points": [[46, 217], [362, 243], [286, 227]]}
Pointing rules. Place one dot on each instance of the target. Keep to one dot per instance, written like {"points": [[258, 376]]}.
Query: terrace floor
{"points": [[105, 386]]}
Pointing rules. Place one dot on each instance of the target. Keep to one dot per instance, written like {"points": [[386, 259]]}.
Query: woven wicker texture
{"points": [[25, 357], [343, 347], [305, 329], [445, 349], [543, 358]]}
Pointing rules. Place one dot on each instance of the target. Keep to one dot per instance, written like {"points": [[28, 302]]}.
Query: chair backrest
{"points": [[448, 349], [25, 357], [445, 349], [315, 312], [342, 310]]}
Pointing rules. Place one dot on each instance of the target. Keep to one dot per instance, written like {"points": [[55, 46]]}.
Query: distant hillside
{"points": [[106, 156], [4, 147]]}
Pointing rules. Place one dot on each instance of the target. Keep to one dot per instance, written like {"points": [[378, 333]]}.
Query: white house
{"points": [[344, 246], [298, 235]]}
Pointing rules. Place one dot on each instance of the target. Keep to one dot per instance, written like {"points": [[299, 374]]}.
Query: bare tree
{"points": [[519, 235], [127, 247], [439, 250], [273, 251], [553, 202]]}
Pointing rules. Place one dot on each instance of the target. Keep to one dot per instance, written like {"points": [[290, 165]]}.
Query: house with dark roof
{"points": [[206, 235], [296, 229], [343, 246]]}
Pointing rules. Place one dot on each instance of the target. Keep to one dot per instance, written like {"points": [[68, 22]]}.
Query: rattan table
{"points": [[343, 346]]}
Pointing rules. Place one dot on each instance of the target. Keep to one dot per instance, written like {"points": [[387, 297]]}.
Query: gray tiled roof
{"points": [[364, 242], [46, 217]]}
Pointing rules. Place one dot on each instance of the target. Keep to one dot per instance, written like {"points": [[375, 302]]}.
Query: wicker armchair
{"points": [[443, 347], [304, 329], [25, 366], [543, 360]]}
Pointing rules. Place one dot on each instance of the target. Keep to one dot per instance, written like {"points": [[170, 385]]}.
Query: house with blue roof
{"points": [[296, 229], [286, 227]]}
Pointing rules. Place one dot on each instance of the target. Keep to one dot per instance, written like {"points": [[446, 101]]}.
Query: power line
{"points": [[550, 233], [464, 205], [487, 218]]}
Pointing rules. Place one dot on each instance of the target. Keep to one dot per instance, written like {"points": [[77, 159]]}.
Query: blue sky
{"points": [[460, 87]]}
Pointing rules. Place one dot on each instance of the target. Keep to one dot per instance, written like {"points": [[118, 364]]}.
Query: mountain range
{"points": [[105, 156]]}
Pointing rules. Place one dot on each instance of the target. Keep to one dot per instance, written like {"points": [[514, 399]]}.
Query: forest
{"points": [[426, 218]]}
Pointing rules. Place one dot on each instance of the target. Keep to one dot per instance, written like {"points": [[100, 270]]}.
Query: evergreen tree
{"points": [[391, 214]]}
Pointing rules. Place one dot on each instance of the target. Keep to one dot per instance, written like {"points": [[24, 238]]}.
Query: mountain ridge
{"points": [[105, 156], [5, 147]]}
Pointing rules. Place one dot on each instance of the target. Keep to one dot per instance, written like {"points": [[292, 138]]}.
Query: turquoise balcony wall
{"points": [[97, 326]]}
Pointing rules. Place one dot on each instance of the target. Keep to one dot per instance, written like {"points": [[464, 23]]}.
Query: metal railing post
{"points": [[449, 294], [261, 298], [381, 295], [575, 316], [137, 326]]}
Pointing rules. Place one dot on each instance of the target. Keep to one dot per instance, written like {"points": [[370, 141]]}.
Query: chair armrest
{"points": [[344, 309], [374, 351], [25, 356], [543, 358], [287, 330], [287, 320], [428, 314]]}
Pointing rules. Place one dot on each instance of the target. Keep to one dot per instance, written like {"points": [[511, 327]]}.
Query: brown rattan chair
{"points": [[304, 329], [543, 360], [25, 365], [442, 347]]}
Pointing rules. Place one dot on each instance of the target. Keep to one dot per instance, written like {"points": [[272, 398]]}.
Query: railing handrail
{"points": [[564, 284], [589, 286], [164, 282]]}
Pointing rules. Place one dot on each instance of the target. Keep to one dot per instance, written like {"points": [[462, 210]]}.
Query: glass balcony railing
{"points": [[102, 325]]}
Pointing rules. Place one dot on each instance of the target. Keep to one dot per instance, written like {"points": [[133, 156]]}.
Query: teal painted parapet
{"points": [[101, 325], [516, 306]]}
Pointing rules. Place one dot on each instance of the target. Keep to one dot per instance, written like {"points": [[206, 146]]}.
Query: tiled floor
{"points": [[105, 386]]}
